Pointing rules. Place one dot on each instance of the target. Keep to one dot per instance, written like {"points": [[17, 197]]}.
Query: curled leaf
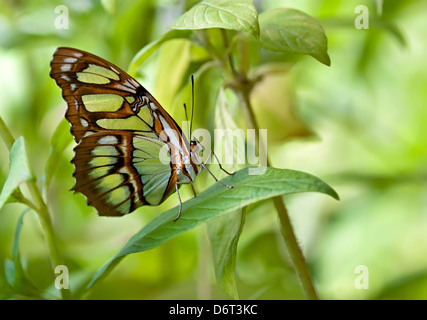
{"points": [[293, 31]]}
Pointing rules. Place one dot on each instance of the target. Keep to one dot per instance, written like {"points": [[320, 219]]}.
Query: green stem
{"points": [[230, 57], [46, 223], [39, 206], [6, 135], [242, 85], [217, 56], [295, 252], [288, 233]]}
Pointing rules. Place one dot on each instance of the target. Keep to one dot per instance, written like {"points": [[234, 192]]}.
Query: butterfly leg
{"points": [[179, 197], [219, 163], [225, 185], [204, 167], [194, 191]]}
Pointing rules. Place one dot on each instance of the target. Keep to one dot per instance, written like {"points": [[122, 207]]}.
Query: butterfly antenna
{"points": [[192, 105], [186, 118]]}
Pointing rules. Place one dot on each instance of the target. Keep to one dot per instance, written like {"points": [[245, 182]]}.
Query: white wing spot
{"points": [[84, 122], [65, 67], [70, 60], [108, 140], [64, 76]]}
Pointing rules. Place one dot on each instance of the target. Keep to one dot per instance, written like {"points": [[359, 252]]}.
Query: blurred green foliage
{"points": [[360, 124]]}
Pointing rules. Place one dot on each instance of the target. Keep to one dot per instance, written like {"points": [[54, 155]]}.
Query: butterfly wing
{"points": [[120, 133], [119, 171]]}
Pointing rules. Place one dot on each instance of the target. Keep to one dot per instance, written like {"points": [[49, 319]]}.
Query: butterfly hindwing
{"points": [[119, 172]]}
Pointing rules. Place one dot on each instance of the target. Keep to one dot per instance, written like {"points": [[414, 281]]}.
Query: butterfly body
{"points": [[130, 152]]}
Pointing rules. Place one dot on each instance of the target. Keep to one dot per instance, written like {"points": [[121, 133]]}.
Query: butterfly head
{"points": [[196, 151]]}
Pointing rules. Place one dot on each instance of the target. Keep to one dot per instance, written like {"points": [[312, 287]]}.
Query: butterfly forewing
{"points": [[120, 130], [95, 90]]}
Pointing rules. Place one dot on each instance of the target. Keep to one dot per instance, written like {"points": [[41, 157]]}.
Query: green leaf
{"points": [[239, 15], [150, 48], [15, 250], [293, 31], [224, 233], [19, 170], [168, 83], [214, 202], [9, 271], [276, 109], [15, 273]]}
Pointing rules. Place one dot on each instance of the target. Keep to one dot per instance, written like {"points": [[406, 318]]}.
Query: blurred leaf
{"points": [[206, 85], [150, 48], [110, 6], [214, 202], [238, 15], [19, 170], [408, 287], [293, 31], [224, 120], [224, 233], [15, 249], [254, 257], [130, 28], [371, 47], [273, 100], [171, 70], [390, 27], [14, 270], [9, 270], [61, 138]]}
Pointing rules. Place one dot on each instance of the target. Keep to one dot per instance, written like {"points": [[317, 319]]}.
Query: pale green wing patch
{"points": [[143, 121], [97, 74], [105, 102], [154, 173]]}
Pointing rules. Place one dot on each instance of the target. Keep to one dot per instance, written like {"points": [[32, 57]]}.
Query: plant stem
{"points": [[46, 223], [288, 233], [295, 252], [230, 57], [39, 206], [6, 135], [203, 37], [243, 89], [242, 86]]}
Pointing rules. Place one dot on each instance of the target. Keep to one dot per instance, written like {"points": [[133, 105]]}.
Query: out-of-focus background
{"points": [[360, 125]]}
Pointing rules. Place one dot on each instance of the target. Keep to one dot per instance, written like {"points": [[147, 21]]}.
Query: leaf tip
{"points": [[325, 59], [334, 195]]}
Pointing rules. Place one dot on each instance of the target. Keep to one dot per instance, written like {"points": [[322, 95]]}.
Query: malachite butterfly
{"points": [[121, 130]]}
